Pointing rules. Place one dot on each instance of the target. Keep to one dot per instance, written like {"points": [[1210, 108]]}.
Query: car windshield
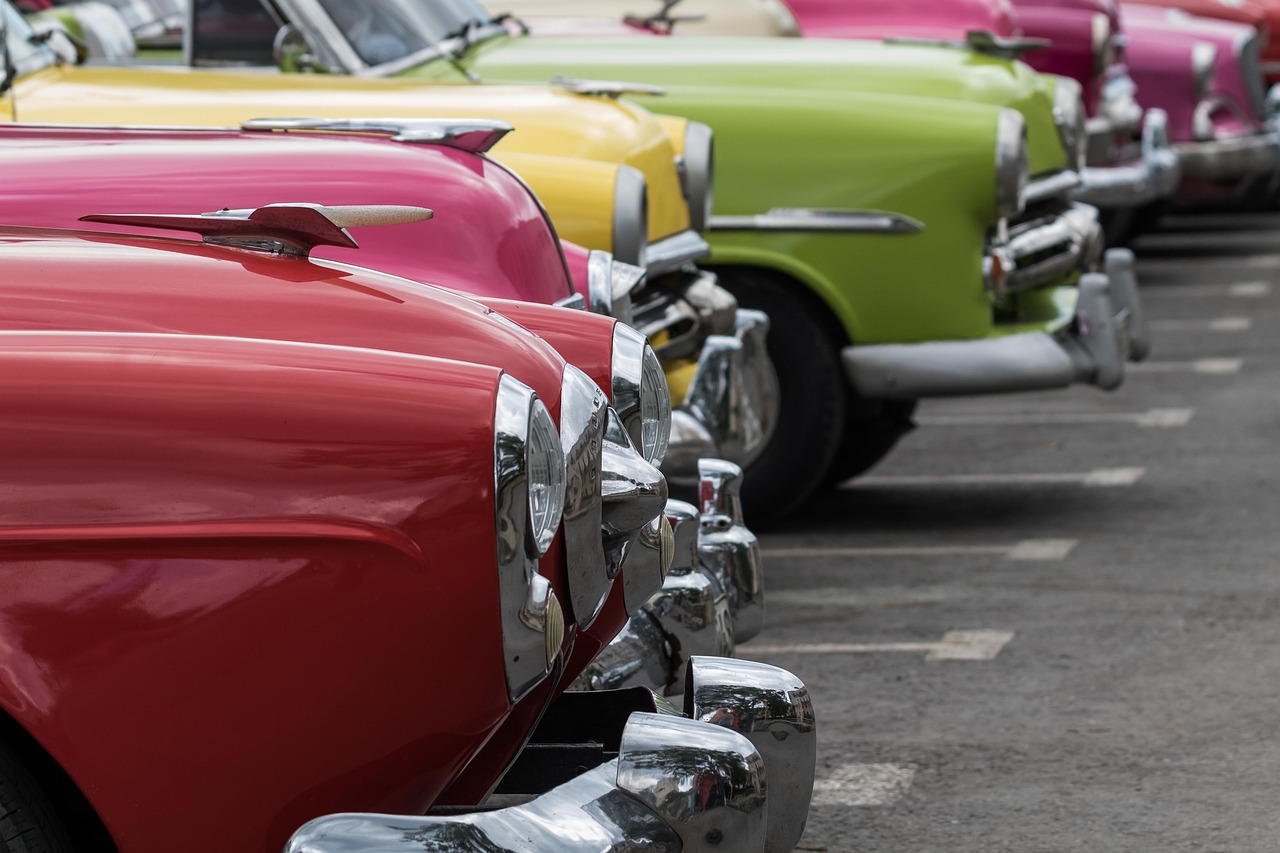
{"points": [[383, 31], [26, 54]]}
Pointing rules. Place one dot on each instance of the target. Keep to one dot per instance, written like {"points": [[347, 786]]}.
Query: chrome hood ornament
{"points": [[476, 135], [605, 88], [292, 229]]}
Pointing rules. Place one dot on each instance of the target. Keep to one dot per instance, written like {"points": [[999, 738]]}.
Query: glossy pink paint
{"points": [[875, 19]]}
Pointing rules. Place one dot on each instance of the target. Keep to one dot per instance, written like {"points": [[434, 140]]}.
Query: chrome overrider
{"points": [[1153, 176], [734, 772], [1052, 242], [711, 599], [730, 403]]}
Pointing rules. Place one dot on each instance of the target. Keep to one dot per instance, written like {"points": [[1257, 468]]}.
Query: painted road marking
{"points": [[1269, 262], [1151, 418], [863, 785], [1099, 478], [1203, 365], [1239, 290], [1221, 324], [955, 645], [1034, 550]]}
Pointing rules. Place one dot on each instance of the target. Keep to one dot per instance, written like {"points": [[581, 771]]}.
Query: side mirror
{"points": [[292, 52]]}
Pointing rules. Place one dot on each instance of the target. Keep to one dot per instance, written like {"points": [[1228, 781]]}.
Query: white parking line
{"points": [[1151, 418], [1220, 324], [955, 645], [1213, 366], [1036, 550], [1240, 290], [1268, 262], [863, 785], [1099, 478]]}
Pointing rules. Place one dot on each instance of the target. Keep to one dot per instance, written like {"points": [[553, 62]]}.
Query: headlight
{"points": [[630, 216], [529, 478], [610, 283], [1104, 44], [1011, 163], [698, 173], [1204, 61], [1069, 116], [640, 394]]}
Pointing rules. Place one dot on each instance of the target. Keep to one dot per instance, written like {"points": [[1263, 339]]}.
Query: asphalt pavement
{"points": [[1051, 622]]}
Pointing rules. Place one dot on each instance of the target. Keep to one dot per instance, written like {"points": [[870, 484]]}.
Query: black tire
{"points": [[872, 429], [28, 821], [805, 349]]}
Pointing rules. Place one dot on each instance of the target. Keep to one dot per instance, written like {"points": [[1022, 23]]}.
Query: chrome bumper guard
{"points": [[1154, 177], [1231, 159], [735, 773], [676, 784], [1049, 248], [711, 599], [732, 403], [1109, 329]]}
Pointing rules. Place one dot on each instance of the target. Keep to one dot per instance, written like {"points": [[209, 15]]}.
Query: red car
{"points": [[270, 556]]}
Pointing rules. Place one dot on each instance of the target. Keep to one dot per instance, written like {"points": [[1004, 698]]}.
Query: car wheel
{"points": [[28, 821], [805, 350], [872, 429]]}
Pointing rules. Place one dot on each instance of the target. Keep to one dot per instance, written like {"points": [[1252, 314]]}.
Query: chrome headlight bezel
{"points": [[1072, 121], [1104, 44], [697, 173], [630, 216], [529, 476], [1012, 169], [1204, 62], [641, 396], [610, 284]]}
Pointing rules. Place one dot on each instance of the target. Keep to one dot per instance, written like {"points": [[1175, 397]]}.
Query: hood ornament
{"points": [[605, 88], [662, 21], [980, 41], [476, 135], [291, 229]]}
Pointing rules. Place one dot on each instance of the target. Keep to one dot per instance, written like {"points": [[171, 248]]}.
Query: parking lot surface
{"points": [[1049, 622]]}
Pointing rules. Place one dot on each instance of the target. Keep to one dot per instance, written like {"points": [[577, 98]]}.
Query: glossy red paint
{"points": [[876, 19], [489, 236], [240, 569], [140, 285]]}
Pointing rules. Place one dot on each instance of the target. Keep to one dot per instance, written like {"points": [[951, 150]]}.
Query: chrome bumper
{"points": [[1257, 155], [1109, 329], [735, 774], [711, 599], [1154, 177], [732, 402]]}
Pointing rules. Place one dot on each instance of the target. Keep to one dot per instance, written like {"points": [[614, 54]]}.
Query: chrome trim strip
{"points": [[474, 135], [798, 220], [672, 253], [1055, 185]]}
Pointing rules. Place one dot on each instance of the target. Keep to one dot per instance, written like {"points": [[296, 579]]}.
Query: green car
{"points": [[902, 212]]}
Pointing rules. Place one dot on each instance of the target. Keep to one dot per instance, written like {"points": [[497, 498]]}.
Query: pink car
{"points": [[1204, 73], [1130, 163]]}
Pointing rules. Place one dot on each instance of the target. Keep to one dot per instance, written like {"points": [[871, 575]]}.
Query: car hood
{"points": [[811, 65]]}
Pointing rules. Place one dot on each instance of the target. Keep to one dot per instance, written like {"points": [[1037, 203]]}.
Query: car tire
{"points": [[872, 430], [805, 350], [28, 821]]}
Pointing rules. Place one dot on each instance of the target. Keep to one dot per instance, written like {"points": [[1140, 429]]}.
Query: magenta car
{"points": [[1131, 169], [1129, 165], [1205, 74]]}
